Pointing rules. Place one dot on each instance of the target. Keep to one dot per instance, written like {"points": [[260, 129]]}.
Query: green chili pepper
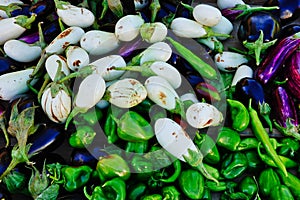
{"points": [[152, 197], [248, 186], [228, 138], [292, 182], [115, 188], [203, 68], [83, 137], [75, 177], [247, 144], [176, 173], [110, 129], [212, 186], [234, 165], [133, 127], [267, 180], [281, 192], [96, 195], [170, 193], [191, 183], [112, 166], [208, 148], [254, 162], [137, 147], [239, 115], [262, 136], [136, 191]]}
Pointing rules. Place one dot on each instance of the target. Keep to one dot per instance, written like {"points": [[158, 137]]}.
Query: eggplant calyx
{"points": [[248, 10], [24, 21], [10, 8], [290, 130], [211, 33], [264, 111]]}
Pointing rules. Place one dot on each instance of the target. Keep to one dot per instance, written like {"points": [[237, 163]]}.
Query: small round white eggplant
{"points": [[69, 36], [140, 4], [224, 27], [21, 51], [153, 32], [229, 61], [126, 93], [128, 27], [242, 71], [161, 92], [3, 14], [74, 16], [201, 115], [222, 4], [97, 42], [57, 107], [105, 67], [207, 15], [52, 63], [187, 28], [14, 83], [173, 138], [77, 57], [159, 51]]}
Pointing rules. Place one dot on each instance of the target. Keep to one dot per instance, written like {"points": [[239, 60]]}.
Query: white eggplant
{"points": [[14, 83], [97, 42], [153, 32], [126, 93], [173, 138], [69, 36], [242, 71], [21, 51], [127, 28], [77, 57], [201, 115], [73, 15], [229, 61], [222, 4], [6, 3], [140, 4], [224, 27], [207, 15], [104, 103], [159, 51], [189, 97], [161, 92], [187, 28], [52, 63], [105, 67], [56, 106]]}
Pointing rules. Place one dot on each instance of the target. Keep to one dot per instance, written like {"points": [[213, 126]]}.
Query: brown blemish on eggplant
{"points": [[65, 33], [162, 97], [65, 45], [76, 63]]}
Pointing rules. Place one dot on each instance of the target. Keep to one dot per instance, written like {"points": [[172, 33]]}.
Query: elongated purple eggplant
{"points": [[272, 63], [286, 119], [293, 74]]}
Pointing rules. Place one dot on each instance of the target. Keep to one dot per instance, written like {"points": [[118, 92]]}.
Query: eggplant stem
{"points": [[3, 128], [154, 7]]}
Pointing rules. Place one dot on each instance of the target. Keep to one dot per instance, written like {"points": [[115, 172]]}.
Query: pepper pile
{"points": [[148, 100]]}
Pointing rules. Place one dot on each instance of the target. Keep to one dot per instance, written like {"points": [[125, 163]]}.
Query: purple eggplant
{"points": [[207, 91], [288, 9], [8, 65], [43, 8], [274, 61], [288, 30], [283, 108], [85, 157], [293, 74]]}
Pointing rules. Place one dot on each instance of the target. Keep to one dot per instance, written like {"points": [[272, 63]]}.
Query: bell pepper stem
{"points": [[174, 176]]}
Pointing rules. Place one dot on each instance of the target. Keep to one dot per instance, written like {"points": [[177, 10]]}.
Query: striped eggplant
{"points": [[293, 74]]}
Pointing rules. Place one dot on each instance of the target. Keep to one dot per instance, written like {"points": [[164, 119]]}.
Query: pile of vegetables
{"points": [[149, 100]]}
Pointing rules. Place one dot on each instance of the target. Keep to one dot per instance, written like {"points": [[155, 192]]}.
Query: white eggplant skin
{"points": [[229, 61], [242, 71], [76, 16], [51, 65], [224, 27], [189, 97], [9, 29], [21, 51], [97, 42], [56, 108], [187, 28], [14, 83], [207, 15], [6, 3], [222, 4], [69, 36], [173, 138], [153, 32], [126, 93], [90, 92], [127, 28], [201, 115], [77, 57], [159, 51]]}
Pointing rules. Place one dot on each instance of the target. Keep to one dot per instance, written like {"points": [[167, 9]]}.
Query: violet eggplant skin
{"points": [[293, 74], [231, 14], [273, 62]]}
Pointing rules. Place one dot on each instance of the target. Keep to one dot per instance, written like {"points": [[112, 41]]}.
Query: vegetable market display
{"points": [[109, 99]]}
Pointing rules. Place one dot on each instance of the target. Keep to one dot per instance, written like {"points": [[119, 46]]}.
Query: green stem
{"points": [[211, 33], [10, 167], [154, 7], [24, 21], [44, 85], [85, 71], [41, 36], [105, 8], [256, 9], [3, 128]]}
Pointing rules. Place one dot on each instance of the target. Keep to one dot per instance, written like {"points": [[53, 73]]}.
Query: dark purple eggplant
{"points": [[293, 74], [5, 158], [13, 10], [288, 30], [85, 157], [284, 111], [288, 9], [43, 8], [276, 57], [8, 65]]}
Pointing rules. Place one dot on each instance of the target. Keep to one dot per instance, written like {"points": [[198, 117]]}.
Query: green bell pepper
{"points": [[177, 170], [207, 194], [112, 166], [191, 183], [89, 118], [75, 176], [137, 147], [212, 186], [228, 139], [281, 192], [254, 162], [115, 188], [136, 191], [83, 137], [152, 197], [247, 144], [110, 129], [239, 115], [170, 193], [292, 182], [288, 147], [96, 194], [267, 180], [234, 165], [142, 167], [248, 186]]}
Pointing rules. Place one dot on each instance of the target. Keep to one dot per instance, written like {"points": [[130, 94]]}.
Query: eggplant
{"points": [[85, 157], [8, 65], [13, 10], [278, 53], [288, 30], [42, 8], [288, 9], [5, 159], [293, 74], [286, 119]]}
